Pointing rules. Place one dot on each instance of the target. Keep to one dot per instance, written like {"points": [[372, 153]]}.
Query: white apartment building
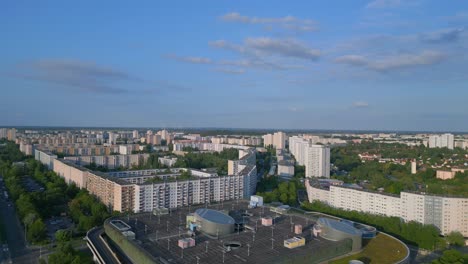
{"points": [[127, 149], [110, 161], [184, 193], [317, 161], [447, 213], [112, 138], [3, 133], [179, 146], [245, 165], [463, 144], [245, 141], [285, 169], [26, 148], [277, 140], [167, 161], [130, 190], [8, 133], [297, 147], [441, 141], [267, 140], [153, 139], [165, 135], [135, 134], [45, 157]]}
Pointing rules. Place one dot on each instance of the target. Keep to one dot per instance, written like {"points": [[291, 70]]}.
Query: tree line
{"points": [[57, 198], [218, 160]]}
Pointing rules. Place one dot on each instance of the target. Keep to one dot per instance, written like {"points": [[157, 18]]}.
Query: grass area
{"points": [[382, 249]]}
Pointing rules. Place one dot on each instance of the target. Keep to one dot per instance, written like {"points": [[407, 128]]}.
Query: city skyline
{"points": [[368, 65]]}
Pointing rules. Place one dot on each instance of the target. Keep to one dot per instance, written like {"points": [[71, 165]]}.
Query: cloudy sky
{"points": [[375, 64]]}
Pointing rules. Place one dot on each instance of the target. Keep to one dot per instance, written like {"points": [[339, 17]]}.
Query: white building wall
{"points": [[446, 213], [317, 161]]}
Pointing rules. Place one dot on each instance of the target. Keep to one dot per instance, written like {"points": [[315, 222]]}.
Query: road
{"points": [[94, 235], [14, 230], [18, 251]]}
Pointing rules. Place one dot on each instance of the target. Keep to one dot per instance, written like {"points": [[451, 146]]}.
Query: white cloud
{"points": [[360, 104], [189, 59], [407, 60], [231, 71], [77, 74], [395, 62], [287, 48], [443, 36], [352, 60], [384, 4], [286, 22], [261, 47]]}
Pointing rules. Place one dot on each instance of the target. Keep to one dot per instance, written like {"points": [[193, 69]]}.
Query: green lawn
{"points": [[382, 249]]}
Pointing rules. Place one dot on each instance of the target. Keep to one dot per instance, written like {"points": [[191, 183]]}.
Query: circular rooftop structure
{"points": [[215, 223], [336, 230]]}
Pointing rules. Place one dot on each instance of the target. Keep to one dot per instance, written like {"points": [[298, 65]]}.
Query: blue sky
{"points": [[380, 65]]}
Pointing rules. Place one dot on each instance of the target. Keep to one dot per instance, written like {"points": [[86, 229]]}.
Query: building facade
{"points": [[446, 213], [441, 141], [110, 161], [317, 161]]}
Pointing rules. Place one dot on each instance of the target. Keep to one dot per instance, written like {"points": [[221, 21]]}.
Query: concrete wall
{"points": [[131, 249]]}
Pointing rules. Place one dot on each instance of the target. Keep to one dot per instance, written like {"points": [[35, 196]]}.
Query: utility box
{"points": [[297, 229], [256, 201], [186, 242], [129, 235], [267, 221], [294, 242]]}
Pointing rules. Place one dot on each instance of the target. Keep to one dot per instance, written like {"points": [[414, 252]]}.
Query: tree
{"points": [[284, 198], [185, 175], [66, 254], [62, 236], [37, 231], [455, 238], [451, 256]]}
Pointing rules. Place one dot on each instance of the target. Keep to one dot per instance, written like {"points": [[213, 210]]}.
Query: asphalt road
{"points": [[18, 251], [14, 230], [94, 236]]}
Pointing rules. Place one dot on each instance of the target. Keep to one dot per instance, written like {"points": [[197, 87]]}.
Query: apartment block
{"points": [[317, 161], [441, 141], [167, 161], [297, 147], [446, 213], [277, 140], [110, 161]]}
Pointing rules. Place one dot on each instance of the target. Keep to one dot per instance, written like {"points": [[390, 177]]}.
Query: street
{"points": [[17, 251]]}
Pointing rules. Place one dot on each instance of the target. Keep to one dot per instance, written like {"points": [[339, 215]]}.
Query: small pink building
{"points": [[267, 221], [297, 229], [186, 242]]}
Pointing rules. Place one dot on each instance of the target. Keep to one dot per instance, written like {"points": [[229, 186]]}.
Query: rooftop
{"points": [[340, 226], [159, 235], [215, 216]]}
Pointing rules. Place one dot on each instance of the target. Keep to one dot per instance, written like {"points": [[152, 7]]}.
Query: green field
{"points": [[382, 249]]}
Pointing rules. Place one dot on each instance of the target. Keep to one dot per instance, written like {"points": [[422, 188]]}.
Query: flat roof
{"points": [[159, 236], [338, 225], [215, 216]]}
